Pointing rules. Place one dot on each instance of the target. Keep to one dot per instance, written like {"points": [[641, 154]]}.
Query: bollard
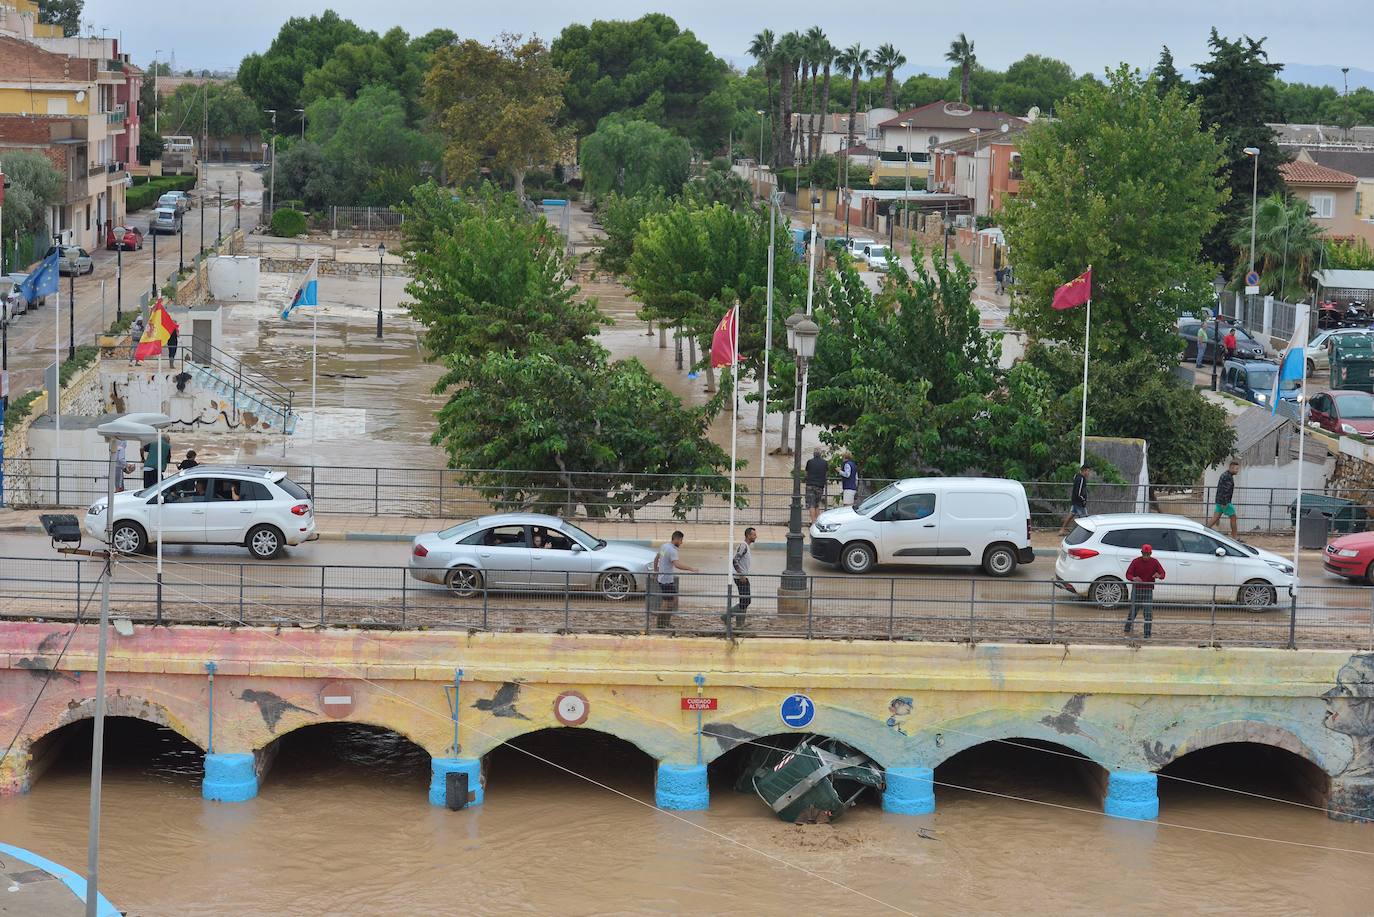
{"points": [[455, 790], [1293, 619]]}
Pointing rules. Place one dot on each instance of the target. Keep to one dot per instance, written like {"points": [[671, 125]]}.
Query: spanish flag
{"points": [[160, 328]]}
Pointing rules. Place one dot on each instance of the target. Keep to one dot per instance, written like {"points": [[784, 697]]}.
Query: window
{"points": [[909, 508], [294, 489], [247, 490], [1135, 538], [551, 539], [1323, 205], [192, 491], [503, 536], [1321, 404]]}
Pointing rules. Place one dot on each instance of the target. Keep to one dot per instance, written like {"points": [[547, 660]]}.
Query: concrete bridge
{"points": [[1127, 711]]}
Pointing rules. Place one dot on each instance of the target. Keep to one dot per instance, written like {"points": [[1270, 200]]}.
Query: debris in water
{"points": [[813, 783]]}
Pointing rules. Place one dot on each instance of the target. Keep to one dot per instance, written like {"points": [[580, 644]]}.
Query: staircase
{"points": [[245, 389]]}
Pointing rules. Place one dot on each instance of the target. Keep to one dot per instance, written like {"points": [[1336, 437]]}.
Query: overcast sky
{"points": [[1089, 34]]}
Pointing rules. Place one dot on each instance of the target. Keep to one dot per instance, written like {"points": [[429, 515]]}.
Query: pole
{"points": [[767, 340], [1254, 203], [272, 191], [906, 189], [57, 361], [181, 248], [71, 313], [314, 364], [98, 730], [119, 280], [152, 231], [734, 433], [238, 199], [219, 218], [381, 262], [810, 290], [1302, 433], [1083, 435], [793, 576], [161, 463]]}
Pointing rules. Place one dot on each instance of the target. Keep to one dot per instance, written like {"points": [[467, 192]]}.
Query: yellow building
{"points": [[19, 18]]}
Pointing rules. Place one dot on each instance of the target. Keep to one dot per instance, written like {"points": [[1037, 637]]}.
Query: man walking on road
{"points": [[817, 476], [740, 562], [1142, 573], [1226, 492], [849, 479], [667, 566], [1078, 498]]}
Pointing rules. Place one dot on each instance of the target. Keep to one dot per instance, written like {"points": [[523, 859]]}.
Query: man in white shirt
{"points": [[666, 566], [740, 562]]}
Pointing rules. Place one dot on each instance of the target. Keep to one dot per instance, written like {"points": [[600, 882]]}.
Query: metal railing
{"points": [[973, 610], [446, 493]]}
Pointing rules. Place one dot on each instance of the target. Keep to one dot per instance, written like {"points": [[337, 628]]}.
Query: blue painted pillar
{"points": [[1132, 794], [440, 767], [910, 790], [681, 787], [230, 778]]}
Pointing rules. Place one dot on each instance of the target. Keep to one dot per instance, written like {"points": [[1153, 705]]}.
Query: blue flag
{"points": [[42, 281], [307, 294], [1293, 364]]}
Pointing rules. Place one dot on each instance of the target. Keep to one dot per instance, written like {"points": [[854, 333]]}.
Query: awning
{"points": [[1345, 280]]}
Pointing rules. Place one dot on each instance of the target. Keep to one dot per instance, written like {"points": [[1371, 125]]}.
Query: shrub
{"points": [[288, 223], [146, 191], [20, 408]]}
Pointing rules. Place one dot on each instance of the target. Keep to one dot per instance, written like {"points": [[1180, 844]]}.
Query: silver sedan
{"points": [[528, 552]]}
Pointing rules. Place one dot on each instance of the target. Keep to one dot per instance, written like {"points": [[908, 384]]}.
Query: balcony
{"points": [[76, 190]]}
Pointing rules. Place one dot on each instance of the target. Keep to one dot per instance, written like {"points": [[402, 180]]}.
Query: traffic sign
{"points": [[1252, 279], [571, 708], [699, 703], [797, 711], [336, 699]]}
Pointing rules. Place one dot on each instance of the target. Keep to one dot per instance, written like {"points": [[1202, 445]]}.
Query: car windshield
{"points": [[1356, 406], [294, 489], [585, 537], [877, 500], [459, 529], [877, 250], [1261, 380]]}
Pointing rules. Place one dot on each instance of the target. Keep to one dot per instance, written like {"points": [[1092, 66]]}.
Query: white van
{"points": [[935, 521]]}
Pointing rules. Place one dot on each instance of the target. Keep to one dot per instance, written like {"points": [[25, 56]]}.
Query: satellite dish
{"points": [[1004, 127], [1033, 113], [81, 95]]}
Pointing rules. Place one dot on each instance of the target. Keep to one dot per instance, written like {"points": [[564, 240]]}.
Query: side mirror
{"points": [[577, 548], [1221, 552]]}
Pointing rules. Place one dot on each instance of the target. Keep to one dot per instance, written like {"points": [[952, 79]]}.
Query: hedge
{"points": [[146, 192], [288, 224]]}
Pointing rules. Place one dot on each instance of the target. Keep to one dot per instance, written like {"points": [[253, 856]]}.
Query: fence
{"points": [[21, 250], [345, 222], [1265, 317], [840, 607], [441, 493]]}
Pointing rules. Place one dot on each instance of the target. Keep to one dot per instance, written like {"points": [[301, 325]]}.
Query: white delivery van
{"points": [[980, 522]]}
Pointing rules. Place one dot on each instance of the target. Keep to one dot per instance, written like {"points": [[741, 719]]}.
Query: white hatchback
{"points": [[259, 508], [1201, 566]]}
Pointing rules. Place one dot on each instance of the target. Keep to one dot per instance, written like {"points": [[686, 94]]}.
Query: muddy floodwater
{"points": [[342, 826]]}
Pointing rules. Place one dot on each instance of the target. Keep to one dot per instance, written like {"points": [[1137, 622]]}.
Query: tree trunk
{"points": [[783, 150], [710, 378], [853, 106], [518, 176], [887, 90], [691, 353], [768, 76], [825, 106], [815, 100], [784, 446], [677, 345], [662, 337], [963, 83], [763, 410]]}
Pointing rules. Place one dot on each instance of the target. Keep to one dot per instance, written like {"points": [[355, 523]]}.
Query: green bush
{"points": [[288, 224], [85, 355], [20, 408], [147, 190]]}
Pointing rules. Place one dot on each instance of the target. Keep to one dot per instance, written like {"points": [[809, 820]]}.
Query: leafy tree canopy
{"points": [[620, 217], [1288, 246], [274, 79], [630, 157], [66, 13], [1125, 181], [647, 68], [1354, 255], [230, 110], [34, 184]]}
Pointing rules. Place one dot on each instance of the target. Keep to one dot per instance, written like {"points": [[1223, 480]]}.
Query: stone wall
{"points": [[193, 288], [336, 268]]}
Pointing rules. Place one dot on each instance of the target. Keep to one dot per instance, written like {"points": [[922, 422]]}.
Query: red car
{"points": [[128, 238], [1343, 411], [1352, 556]]}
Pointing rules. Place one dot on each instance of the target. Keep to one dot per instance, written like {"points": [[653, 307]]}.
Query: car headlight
{"points": [[1347, 552], [95, 510], [1281, 567], [1262, 397], [826, 526], [1347, 429]]}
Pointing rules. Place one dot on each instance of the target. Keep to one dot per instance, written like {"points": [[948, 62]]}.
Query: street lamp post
{"points": [[71, 313], [906, 188], [272, 181], [1253, 153], [219, 215], [152, 231], [181, 247], [119, 280], [977, 143], [238, 198], [156, 99], [301, 112], [801, 334], [381, 263], [758, 165], [141, 427]]}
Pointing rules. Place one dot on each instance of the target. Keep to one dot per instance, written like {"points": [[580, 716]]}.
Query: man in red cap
{"points": [[1142, 573]]}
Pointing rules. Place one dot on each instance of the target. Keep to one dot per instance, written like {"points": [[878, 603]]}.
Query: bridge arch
{"points": [[366, 723], [949, 739], [116, 705], [1249, 732]]}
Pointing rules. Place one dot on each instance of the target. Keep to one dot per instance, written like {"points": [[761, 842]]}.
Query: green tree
{"points": [[1034, 81], [1288, 246], [150, 144], [1237, 97], [563, 428], [629, 157], [648, 69], [34, 184], [961, 54], [1352, 255], [852, 62], [621, 217], [1125, 181], [888, 60], [921, 89], [274, 79], [763, 49], [1166, 74], [230, 110], [488, 278], [66, 13], [497, 107]]}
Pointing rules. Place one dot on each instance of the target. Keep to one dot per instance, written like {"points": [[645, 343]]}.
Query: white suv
{"points": [[258, 508], [1201, 566]]}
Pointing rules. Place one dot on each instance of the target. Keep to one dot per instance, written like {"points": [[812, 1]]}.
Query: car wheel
{"points": [[1257, 594], [857, 558], [129, 538], [1311, 368], [1369, 574], [265, 542], [464, 582], [616, 585], [999, 560], [1108, 592]]}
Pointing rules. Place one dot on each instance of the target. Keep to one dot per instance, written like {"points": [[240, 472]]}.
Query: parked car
{"points": [[1342, 411], [1318, 350], [11, 298], [72, 260], [1200, 565], [946, 521], [1352, 556], [528, 551], [1253, 380], [858, 248], [180, 201], [125, 238], [1247, 348], [878, 257], [165, 220], [11, 286], [1332, 314], [259, 508]]}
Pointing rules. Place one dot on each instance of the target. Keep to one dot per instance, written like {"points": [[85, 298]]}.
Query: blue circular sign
{"points": [[797, 711], [1252, 279]]}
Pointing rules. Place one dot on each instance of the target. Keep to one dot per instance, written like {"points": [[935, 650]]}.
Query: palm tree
{"points": [[852, 62], [762, 49], [814, 40], [887, 59], [787, 57], [961, 52], [826, 58], [1288, 245]]}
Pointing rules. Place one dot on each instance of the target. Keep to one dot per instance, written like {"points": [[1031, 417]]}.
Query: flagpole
{"points": [[767, 349], [1302, 432], [314, 363], [734, 429], [1083, 432], [161, 464], [57, 362]]}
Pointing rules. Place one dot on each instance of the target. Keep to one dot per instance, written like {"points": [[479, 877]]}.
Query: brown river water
{"points": [[342, 826]]}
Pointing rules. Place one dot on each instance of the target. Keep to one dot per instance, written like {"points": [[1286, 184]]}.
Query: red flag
{"points": [[156, 335], [1074, 293], [723, 351]]}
